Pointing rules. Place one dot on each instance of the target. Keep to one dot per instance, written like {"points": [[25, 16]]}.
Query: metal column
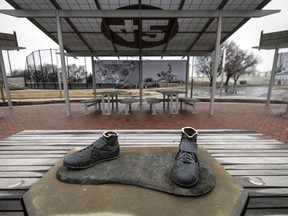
{"points": [[216, 61], [187, 76], [223, 70], [140, 79], [272, 78], [2, 67], [93, 76], [63, 66]]}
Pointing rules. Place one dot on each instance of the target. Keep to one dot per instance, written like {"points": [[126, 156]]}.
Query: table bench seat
{"points": [[285, 101], [190, 101], [153, 101], [128, 105], [90, 102]]}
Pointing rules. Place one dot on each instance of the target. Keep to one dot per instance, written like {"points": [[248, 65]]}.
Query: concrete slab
{"points": [[50, 196]]}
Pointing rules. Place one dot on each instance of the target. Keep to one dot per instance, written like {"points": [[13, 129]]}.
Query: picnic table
{"points": [[110, 100], [171, 95], [257, 162]]}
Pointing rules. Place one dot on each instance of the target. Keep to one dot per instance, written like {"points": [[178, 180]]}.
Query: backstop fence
{"points": [[42, 71]]}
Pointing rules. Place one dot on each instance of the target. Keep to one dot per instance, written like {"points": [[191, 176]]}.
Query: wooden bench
{"points": [[189, 101], [257, 162], [285, 101], [152, 102], [90, 102]]}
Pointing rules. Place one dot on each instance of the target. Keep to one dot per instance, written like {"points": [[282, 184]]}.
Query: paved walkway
{"points": [[248, 116]]}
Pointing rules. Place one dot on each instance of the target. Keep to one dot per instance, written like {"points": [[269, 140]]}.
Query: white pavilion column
{"points": [[6, 85], [216, 61], [63, 65], [272, 78], [140, 79], [187, 76], [93, 76]]}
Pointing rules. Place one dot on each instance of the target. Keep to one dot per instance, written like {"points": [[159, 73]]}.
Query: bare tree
{"points": [[237, 63], [18, 72], [204, 65]]}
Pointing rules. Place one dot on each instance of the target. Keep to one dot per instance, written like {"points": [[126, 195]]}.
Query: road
{"points": [[253, 91]]}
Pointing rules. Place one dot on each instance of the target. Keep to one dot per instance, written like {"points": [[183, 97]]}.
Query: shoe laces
{"points": [[186, 157], [91, 149]]}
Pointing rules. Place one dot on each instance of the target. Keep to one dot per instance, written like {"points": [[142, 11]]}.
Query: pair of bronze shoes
{"points": [[185, 171]]}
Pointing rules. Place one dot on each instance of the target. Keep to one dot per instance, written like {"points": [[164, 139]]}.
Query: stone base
{"points": [[145, 168], [50, 196]]}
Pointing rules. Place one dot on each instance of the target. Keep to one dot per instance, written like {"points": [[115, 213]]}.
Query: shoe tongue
{"points": [[100, 142], [188, 145]]}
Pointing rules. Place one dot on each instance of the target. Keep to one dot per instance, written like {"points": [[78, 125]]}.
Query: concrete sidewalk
{"points": [[257, 117]]}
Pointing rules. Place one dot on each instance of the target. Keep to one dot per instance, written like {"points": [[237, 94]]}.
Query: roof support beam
{"points": [[173, 26], [56, 5], [215, 64], [136, 53], [107, 28], [140, 13], [63, 66]]}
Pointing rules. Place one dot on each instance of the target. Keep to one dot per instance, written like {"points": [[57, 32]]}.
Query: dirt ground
{"points": [[74, 93]]}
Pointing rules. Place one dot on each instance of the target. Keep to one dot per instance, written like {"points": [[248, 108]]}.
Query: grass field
{"points": [[74, 93]]}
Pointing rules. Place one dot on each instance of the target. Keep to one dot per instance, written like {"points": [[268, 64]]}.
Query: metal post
{"points": [[63, 67], [192, 80], [272, 78], [93, 77], [68, 74], [140, 79], [85, 63], [215, 66], [223, 69], [187, 76], [9, 62], [30, 77], [42, 73], [59, 76], [6, 84], [35, 71], [54, 73]]}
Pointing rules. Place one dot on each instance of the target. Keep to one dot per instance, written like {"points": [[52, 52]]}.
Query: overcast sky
{"points": [[246, 37]]}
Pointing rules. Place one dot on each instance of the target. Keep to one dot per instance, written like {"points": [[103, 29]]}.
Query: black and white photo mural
{"points": [[282, 67], [125, 74], [159, 72], [117, 73]]}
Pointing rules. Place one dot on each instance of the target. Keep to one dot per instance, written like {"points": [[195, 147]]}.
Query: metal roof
{"points": [[273, 40], [128, 27]]}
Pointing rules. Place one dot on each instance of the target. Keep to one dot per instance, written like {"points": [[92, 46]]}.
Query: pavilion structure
{"points": [[7, 42], [273, 41], [139, 28]]}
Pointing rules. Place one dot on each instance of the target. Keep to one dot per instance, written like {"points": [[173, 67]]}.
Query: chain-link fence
{"points": [[42, 71]]}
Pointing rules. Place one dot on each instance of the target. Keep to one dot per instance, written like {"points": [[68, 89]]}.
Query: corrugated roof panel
{"points": [[91, 33], [86, 24], [74, 43], [206, 42], [98, 42], [181, 41], [122, 48], [48, 23], [158, 48]]}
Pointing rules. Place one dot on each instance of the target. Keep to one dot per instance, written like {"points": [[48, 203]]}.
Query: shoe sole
{"points": [[100, 161], [183, 185]]}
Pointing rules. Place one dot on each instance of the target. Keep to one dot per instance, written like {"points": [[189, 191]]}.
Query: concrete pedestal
{"points": [[50, 196]]}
